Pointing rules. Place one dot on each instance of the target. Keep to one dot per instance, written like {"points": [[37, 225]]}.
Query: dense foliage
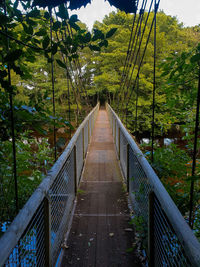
{"points": [[107, 67], [42, 94]]}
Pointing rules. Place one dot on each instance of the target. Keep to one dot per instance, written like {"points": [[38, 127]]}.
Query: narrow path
{"points": [[98, 237]]}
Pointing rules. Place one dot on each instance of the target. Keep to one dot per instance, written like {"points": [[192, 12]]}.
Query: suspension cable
{"points": [[12, 121], [69, 104], [76, 83], [78, 67], [191, 205], [136, 101], [137, 53], [129, 50], [66, 61], [53, 84], [154, 85], [138, 30], [141, 61], [132, 52]]}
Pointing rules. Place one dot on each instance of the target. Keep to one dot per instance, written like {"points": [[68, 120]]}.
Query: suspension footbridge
{"points": [[101, 192], [79, 214]]}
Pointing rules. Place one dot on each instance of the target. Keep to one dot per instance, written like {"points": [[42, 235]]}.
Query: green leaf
{"points": [[45, 42], [98, 35], [54, 48], [3, 19], [46, 55], [111, 32], [56, 25], [35, 41], [50, 60], [103, 43], [30, 58], [94, 48], [68, 40], [3, 73], [41, 32], [27, 29], [17, 70], [14, 55], [75, 56], [34, 13], [64, 50], [5, 84], [74, 49], [87, 37], [16, 3], [70, 58], [31, 22], [64, 23], [61, 64], [74, 26], [73, 18], [81, 39], [63, 13], [195, 58], [46, 15]]}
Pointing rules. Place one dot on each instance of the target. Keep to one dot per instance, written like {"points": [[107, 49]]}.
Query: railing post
{"points": [[151, 230], [83, 143], [75, 172], [47, 231], [127, 165]]}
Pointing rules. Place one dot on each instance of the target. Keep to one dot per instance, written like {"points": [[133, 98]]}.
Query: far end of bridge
{"points": [[101, 234]]}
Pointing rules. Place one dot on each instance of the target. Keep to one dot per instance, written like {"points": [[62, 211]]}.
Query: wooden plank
{"points": [[97, 237]]}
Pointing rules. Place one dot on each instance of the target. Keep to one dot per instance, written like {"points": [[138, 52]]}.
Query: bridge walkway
{"points": [[100, 234]]}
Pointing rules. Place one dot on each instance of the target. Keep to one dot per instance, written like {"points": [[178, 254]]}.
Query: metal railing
{"points": [[169, 239], [35, 236]]}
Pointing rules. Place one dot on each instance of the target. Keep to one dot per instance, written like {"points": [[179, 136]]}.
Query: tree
{"points": [[105, 68]]}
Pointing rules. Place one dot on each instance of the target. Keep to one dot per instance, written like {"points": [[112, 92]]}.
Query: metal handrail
{"points": [[164, 221], [32, 236]]}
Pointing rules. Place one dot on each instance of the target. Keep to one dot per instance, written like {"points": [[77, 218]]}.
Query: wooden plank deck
{"points": [[98, 237]]}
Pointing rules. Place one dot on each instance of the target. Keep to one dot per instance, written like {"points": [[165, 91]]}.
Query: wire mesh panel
{"points": [[61, 194], [168, 249], [92, 119], [30, 250], [95, 114], [112, 122], [109, 116], [86, 140], [35, 236], [79, 156], [117, 137], [123, 154], [166, 236], [90, 127], [113, 126], [139, 186]]}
